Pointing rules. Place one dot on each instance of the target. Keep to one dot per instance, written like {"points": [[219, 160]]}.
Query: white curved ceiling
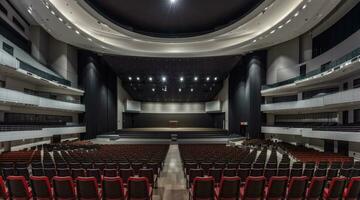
{"points": [[273, 22]]}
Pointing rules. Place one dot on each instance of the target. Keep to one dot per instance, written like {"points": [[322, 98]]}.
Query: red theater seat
{"points": [[254, 188], [41, 187], [87, 188], [202, 189], [18, 188], [112, 188], [139, 188], [277, 188], [229, 189]]}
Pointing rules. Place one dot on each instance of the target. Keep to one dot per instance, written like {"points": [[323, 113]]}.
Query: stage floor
{"points": [[175, 130]]}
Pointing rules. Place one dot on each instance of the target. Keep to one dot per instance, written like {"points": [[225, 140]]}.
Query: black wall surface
{"points": [[145, 120], [245, 99], [99, 84]]}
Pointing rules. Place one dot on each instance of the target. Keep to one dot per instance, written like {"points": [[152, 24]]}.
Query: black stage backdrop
{"points": [[146, 120]]}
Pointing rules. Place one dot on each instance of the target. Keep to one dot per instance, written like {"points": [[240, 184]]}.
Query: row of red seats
{"points": [[80, 188], [279, 187], [18, 156]]}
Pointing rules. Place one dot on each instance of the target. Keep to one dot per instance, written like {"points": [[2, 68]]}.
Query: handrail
{"points": [[333, 64]]}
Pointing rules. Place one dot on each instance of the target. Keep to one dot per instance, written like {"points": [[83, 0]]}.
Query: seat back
{"points": [[136, 167], [18, 187], [206, 166], [268, 173], [86, 165], [63, 172], [336, 188], [112, 188], [75, 165], [233, 165], [203, 188], [94, 173], [283, 172], [77, 173], [331, 173], [154, 166], [148, 173], [99, 165], [296, 172], [63, 187], [189, 166], [229, 172], [316, 187], [125, 174], [254, 187], [23, 172], [353, 189], [320, 172], [216, 174], [297, 187], [277, 187], [37, 171], [110, 172], [3, 192], [256, 172], [8, 172], [111, 165], [297, 165], [40, 186], [124, 165], [230, 187], [193, 173], [138, 188], [50, 173], [309, 172], [87, 188], [219, 165]]}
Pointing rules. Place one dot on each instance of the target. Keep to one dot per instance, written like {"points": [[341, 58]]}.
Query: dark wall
{"points": [[99, 84], [245, 99], [144, 120]]}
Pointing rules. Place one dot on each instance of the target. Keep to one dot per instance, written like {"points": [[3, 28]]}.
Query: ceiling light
{"points": [[69, 27], [138, 78], [89, 39], [77, 32], [181, 79], [150, 78], [163, 79], [196, 78], [179, 89], [52, 12], [60, 19], [273, 31], [254, 41], [130, 78], [296, 14], [216, 78], [192, 90], [304, 6], [280, 27], [173, 1], [153, 89], [47, 6], [208, 78], [288, 21]]}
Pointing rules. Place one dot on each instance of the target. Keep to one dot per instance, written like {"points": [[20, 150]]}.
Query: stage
{"points": [[181, 130]]}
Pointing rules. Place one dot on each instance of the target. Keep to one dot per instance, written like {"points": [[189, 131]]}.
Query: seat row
{"points": [[278, 187], [80, 188]]}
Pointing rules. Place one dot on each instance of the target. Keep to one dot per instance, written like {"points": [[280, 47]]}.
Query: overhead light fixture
{"points": [[69, 27], [296, 14], [273, 31], [130, 78], [77, 32], [52, 12], [192, 89], [181, 79], [254, 41], [60, 19], [196, 78], [179, 89], [89, 39], [153, 89], [216, 78], [208, 78], [138, 78], [163, 79], [288, 21], [173, 1], [150, 78], [304, 6], [281, 26]]}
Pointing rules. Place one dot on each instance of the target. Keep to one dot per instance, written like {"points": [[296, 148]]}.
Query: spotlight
{"points": [[254, 41], [173, 1], [216, 78], [304, 6], [181, 79], [208, 78], [60, 19], [296, 14], [192, 90], [150, 78], [52, 12], [196, 78], [138, 78], [163, 79], [179, 89], [130, 78], [77, 32], [273, 31], [281, 26], [288, 21], [153, 89]]}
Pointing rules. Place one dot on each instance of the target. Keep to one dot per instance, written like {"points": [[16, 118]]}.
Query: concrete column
{"points": [[39, 44], [335, 146], [7, 146], [351, 116], [300, 96], [340, 117]]}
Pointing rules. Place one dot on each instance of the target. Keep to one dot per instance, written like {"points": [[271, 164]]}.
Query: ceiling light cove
{"points": [[179, 30]]}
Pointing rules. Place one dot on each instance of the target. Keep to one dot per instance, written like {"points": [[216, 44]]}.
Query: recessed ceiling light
{"points": [[60, 19], [288, 21], [69, 27], [192, 89], [216, 78], [196, 78], [89, 39], [208, 78], [77, 32], [153, 89], [254, 41], [179, 89], [304, 6], [52, 12], [163, 79], [150, 78], [181, 79], [273, 31], [296, 14], [280, 27], [138, 78], [173, 1], [130, 78]]}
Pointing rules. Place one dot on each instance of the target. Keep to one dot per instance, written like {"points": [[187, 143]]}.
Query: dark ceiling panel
{"points": [[210, 73], [174, 18]]}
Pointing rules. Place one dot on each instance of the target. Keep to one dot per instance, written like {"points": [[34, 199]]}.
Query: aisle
{"points": [[172, 183]]}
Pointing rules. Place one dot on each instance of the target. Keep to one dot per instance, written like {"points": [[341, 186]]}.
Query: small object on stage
{"points": [[173, 123]]}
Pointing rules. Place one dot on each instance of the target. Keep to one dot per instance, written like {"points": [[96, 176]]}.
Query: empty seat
{"points": [[271, 165], [283, 172], [243, 174], [268, 173], [316, 188], [87, 188], [99, 165], [297, 187], [189, 166], [3, 191], [61, 165], [245, 166], [49, 165], [206, 166], [233, 165], [256, 172], [335, 165], [111, 165], [297, 165], [345, 172], [63, 172], [50, 173], [309, 172], [323, 165], [202, 188], [63, 187], [216, 174], [229, 188], [21, 165], [296, 172], [254, 188], [94, 173], [41, 188], [123, 165], [86, 166], [75, 165], [125, 174], [284, 165], [136, 167], [277, 187], [8, 172], [310, 165], [193, 173], [331, 173], [139, 188], [336, 188], [112, 188], [77, 172], [36, 165], [149, 173], [258, 165], [320, 172], [37, 171], [110, 172], [18, 187], [352, 192], [155, 167], [229, 172], [23, 172]]}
